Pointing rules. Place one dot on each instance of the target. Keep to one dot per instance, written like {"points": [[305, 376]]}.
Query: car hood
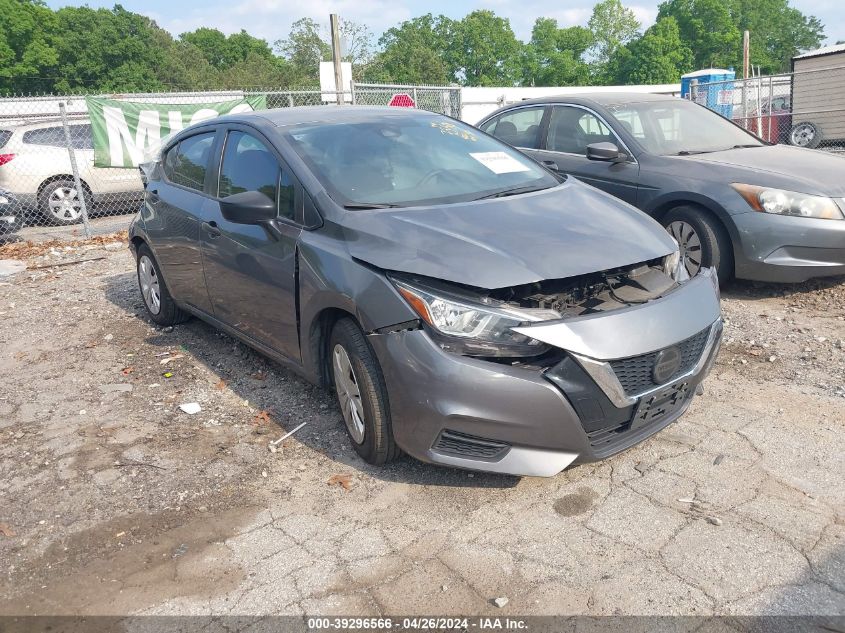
{"points": [[569, 230], [798, 169]]}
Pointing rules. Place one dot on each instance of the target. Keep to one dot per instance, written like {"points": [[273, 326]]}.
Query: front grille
{"points": [[635, 373], [465, 445]]}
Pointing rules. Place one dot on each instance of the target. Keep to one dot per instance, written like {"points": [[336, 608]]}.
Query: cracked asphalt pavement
{"points": [[114, 501]]}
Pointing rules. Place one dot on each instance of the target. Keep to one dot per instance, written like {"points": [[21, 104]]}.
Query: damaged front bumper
{"points": [[604, 395]]}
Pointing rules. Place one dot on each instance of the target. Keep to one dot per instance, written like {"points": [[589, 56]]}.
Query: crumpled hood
{"points": [[793, 168], [569, 230]]}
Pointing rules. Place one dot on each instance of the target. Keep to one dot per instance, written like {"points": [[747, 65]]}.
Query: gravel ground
{"points": [[114, 501]]}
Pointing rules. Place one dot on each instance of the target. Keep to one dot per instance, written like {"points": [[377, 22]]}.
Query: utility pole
{"points": [[338, 72], [746, 53]]}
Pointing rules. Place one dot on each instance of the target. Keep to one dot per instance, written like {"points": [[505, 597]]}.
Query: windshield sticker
{"points": [[450, 128], [499, 162]]}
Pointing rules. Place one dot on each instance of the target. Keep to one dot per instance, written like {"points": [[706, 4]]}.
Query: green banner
{"points": [[124, 130]]}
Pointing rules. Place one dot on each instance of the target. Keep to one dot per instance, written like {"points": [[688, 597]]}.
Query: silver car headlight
{"points": [[466, 327], [782, 202]]}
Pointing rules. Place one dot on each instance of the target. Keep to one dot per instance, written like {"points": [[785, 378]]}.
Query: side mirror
{"points": [[607, 152], [248, 207]]}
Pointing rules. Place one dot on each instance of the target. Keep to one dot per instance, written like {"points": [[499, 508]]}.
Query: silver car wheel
{"points": [[148, 281], [348, 393], [64, 204], [802, 135], [690, 245]]}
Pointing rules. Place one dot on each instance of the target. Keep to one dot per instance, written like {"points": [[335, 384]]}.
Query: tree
{"points": [[612, 26], [305, 49], [708, 29], [658, 57], [482, 50], [554, 56], [412, 53], [778, 32], [26, 52]]}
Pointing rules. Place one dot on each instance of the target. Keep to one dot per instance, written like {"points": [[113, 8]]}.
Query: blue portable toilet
{"points": [[716, 96]]}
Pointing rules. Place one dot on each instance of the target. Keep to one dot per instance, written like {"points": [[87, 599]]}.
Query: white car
{"points": [[35, 168]]}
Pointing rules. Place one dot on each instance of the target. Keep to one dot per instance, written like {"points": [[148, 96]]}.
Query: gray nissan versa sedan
{"points": [[733, 202], [469, 307]]}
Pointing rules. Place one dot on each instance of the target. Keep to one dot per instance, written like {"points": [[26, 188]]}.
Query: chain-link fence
{"points": [[805, 109], [52, 184]]}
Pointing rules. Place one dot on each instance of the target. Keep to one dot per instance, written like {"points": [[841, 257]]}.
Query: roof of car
{"points": [[329, 114], [600, 98]]}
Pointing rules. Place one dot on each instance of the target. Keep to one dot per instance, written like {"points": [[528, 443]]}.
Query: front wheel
{"points": [[703, 241], [361, 394]]}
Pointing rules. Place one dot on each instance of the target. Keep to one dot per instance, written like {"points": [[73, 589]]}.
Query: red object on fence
{"points": [[402, 100]]}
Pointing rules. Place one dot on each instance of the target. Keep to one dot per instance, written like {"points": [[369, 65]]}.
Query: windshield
{"points": [[413, 160], [680, 127]]}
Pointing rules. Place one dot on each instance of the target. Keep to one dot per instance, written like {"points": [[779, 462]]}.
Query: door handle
{"points": [[211, 229]]}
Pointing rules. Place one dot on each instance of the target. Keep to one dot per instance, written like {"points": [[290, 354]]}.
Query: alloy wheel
{"points": [[64, 204], [148, 279], [803, 135], [689, 243], [348, 393]]}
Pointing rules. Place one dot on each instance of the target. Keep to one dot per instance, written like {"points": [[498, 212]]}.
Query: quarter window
{"points": [[572, 129], [520, 128], [249, 165], [187, 163]]}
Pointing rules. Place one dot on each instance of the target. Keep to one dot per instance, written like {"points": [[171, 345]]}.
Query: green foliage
{"points": [[612, 25], [554, 56], [658, 57], [481, 50], [412, 53], [114, 50]]}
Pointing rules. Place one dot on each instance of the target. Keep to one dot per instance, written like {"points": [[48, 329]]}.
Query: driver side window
{"points": [[248, 165], [572, 129]]}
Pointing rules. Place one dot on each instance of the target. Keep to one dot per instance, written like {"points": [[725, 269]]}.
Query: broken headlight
{"points": [[673, 265], [482, 328]]}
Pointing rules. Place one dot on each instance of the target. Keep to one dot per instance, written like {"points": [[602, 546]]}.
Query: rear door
{"points": [[521, 127], [570, 130], [251, 270], [175, 206]]}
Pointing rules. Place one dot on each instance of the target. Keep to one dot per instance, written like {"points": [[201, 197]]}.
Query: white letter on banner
{"points": [[119, 136], [174, 121], [203, 115]]}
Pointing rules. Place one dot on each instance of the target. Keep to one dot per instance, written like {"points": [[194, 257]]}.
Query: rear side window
{"points": [[249, 165], [80, 136], [186, 164], [5, 135], [520, 128]]}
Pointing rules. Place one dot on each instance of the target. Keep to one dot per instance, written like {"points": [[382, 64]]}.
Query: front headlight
{"points": [[781, 202], [463, 326]]}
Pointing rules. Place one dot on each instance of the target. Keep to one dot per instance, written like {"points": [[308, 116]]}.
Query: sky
{"points": [[271, 19]]}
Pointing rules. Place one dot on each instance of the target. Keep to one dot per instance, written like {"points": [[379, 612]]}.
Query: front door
{"points": [[250, 271], [570, 130]]}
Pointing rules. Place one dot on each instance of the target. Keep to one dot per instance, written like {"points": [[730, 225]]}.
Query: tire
{"points": [[371, 433], [805, 134], [60, 203], [708, 239], [164, 310]]}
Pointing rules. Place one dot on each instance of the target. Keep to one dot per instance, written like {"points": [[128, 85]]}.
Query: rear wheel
{"points": [[61, 202], [361, 393], [805, 134], [157, 300], [702, 240]]}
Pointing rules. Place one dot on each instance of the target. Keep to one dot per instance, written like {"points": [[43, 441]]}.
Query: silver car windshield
{"points": [[680, 127], [410, 161]]}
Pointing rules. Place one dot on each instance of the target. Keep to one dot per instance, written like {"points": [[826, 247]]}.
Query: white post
{"points": [[75, 169]]}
